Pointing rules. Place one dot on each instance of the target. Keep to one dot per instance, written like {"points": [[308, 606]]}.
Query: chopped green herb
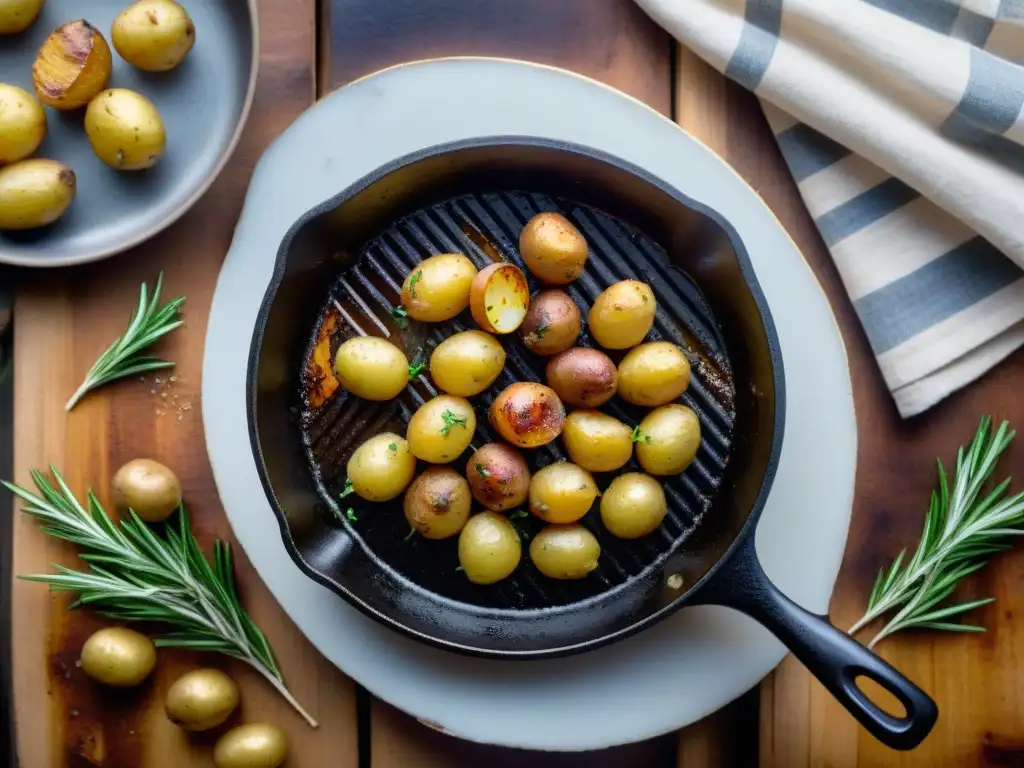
{"points": [[460, 569], [482, 470], [401, 318], [348, 490], [416, 369], [351, 515], [639, 436], [412, 282], [541, 330], [393, 447], [517, 514], [450, 419]]}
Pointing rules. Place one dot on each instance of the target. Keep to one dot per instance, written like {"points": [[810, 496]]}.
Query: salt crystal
{"points": [[157, 380]]}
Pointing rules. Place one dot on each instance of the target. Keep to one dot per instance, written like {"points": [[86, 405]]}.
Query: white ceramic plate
{"points": [[661, 679]]}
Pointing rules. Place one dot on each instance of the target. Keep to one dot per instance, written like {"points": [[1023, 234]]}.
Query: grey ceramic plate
{"points": [[204, 103]]}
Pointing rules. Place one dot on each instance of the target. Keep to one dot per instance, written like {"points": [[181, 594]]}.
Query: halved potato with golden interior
{"points": [[499, 298]]}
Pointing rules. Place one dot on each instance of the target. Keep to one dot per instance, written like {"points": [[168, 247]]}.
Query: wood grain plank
{"points": [[62, 321]]}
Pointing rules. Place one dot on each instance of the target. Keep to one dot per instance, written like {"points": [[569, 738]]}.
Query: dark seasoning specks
{"points": [[486, 229]]}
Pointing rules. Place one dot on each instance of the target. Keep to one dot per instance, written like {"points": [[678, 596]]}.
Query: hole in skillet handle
{"points": [[835, 658]]}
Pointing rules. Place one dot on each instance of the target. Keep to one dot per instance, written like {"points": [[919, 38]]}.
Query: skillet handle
{"points": [[831, 656]]}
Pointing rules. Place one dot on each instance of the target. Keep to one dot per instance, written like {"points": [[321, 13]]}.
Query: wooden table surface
{"points": [[64, 319]]}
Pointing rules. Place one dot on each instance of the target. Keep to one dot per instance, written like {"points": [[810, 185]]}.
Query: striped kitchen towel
{"points": [[901, 122]]}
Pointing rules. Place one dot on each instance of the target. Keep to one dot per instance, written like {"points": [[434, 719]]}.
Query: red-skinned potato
{"points": [[552, 323], [582, 377], [552, 248], [437, 503], [528, 414], [498, 477], [499, 298]]}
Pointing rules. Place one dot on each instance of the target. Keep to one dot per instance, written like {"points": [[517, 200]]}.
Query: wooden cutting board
{"points": [[63, 320]]}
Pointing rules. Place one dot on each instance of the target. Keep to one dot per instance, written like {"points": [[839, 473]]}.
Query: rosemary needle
{"points": [[137, 575], [123, 357]]}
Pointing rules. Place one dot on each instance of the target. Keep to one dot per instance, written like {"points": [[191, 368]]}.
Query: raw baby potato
{"points": [[437, 289], [499, 298], [34, 193], [552, 323], [565, 551], [148, 488], [489, 548], [118, 656], [622, 314], [633, 505], [528, 414], [553, 249], [498, 477], [562, 493], [17, 15], [668, 440], [253, 745], [583, 377], [596, 441], [441, 429], [22, 123], [382, 467], [125, 130], [201, 699], [72, 66], [467, 363], [653, 374], [437, 503], [153, 35], [371, 368]]}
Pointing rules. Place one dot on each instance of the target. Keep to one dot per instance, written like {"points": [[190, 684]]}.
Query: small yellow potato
{"points": [[438, 288], [17, 15], [437, 503], [153, 35], [253, 745], [562, 493], [201, 699], [653, 374], [596, 441], [382, 467], [441, 429], [467, 363], [622, 314], [489, 548], [667, 440], [552, 248], [72, 66], [118, 657], [125, 130], [372, 368], [22, 123], [565, 551], [148, 488], [633, 505], [34, 193]]}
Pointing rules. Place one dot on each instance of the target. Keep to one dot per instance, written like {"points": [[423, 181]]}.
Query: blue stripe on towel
{"points": [[973, 28], [940, 289], [763, 19], [934, 14], [994, 94], [807, 151], [866, 208], [999, 148]]}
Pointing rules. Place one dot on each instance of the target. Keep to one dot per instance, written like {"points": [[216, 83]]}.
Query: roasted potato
{"points": [[371, 368], [499, 298], [441, 429], [201, 699], [382, 467], [148, 488], [565, 551], [34, 193], [596, 441], [153, 35], [633, 505], [17, 15], [622, 314], [489, 548], [582, 377], [118, 656], [467, 363], [72, 66], [653, 374], [562, 493], [552, 323], [528, 414], [253, 745], [498, 477], [438, 288], [553, 249], [437, 503], [22, 123], [667, 440], [125, 130]]}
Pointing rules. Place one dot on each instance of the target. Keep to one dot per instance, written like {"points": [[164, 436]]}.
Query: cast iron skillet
{"points": [[338, 273]]}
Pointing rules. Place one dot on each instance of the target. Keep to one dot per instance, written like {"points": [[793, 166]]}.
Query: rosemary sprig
{"points": [[123, 357], [962, 530], [136, 575]]}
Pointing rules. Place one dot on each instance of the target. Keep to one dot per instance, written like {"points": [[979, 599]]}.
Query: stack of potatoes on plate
{"points": [[70, 72], [527, 415]]}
